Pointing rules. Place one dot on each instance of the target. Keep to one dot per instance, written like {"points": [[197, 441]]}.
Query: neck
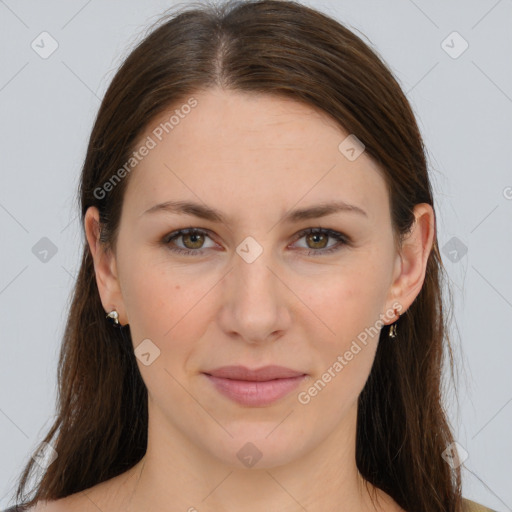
{"points": [[178, 475]]}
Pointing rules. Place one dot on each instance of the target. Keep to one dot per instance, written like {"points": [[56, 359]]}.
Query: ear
{"points": [[411, 262], [104, 267]]}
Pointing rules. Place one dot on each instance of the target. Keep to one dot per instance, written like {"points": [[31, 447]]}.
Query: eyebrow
{"points": [[211, 214]]}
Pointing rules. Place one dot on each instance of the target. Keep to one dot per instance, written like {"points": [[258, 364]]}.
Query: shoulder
{"points": [[87, 500], [108, 494], [63, 504], [68, 504], [22, 507], [472, 506]]}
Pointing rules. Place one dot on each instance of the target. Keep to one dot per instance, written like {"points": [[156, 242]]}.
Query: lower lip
{"points": [[254, 393]]}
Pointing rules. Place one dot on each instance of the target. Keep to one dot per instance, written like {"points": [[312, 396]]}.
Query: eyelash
{"points": [[342, 240]]}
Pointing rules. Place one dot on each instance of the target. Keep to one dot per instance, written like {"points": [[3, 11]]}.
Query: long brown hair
{"points": [[281, 48]]}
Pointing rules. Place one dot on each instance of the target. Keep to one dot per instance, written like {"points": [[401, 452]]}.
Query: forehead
{"points": [[250, 148]]}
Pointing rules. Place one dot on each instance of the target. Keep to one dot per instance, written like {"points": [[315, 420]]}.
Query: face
{"points": [[255, 288]]}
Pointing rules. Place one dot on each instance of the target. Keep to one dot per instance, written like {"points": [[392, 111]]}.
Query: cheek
{"points": [[148, 298], [161, 309], [156, 303], [346, 324], [167, 304], [347, 301], [344, 354]]}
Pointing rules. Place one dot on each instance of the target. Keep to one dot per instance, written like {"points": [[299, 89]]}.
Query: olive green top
{"points": [[471, 506]]}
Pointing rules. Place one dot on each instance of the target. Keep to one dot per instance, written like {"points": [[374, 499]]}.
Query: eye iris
{"points": [[193, 235], [321, 235]]}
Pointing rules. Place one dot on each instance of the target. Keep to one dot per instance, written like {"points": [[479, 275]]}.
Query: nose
{"points": [[255, 308]]}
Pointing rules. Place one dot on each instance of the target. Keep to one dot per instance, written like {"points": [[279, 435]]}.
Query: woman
{"points": [[257, 323]]}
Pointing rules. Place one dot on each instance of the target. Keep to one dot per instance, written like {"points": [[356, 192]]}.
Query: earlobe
{"points": [[414, 255], [104, 264]]}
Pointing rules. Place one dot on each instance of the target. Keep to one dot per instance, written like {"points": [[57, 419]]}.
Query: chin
{"points": [[259, 446]]}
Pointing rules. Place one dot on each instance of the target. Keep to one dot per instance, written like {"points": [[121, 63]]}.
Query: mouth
{"points": [[254, 388]]}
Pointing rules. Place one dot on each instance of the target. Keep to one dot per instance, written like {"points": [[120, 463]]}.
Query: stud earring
{"points": [[392, 329], [113, 318]]}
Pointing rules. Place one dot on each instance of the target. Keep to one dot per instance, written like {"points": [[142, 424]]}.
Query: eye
{"points": [[318, 238], [193, 240]]}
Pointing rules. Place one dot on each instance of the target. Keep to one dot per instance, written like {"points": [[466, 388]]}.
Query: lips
{"points": [[254, 388], [262, 374]]}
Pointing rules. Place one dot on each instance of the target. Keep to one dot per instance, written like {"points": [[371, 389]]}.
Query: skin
{"points": [[286, 307]]}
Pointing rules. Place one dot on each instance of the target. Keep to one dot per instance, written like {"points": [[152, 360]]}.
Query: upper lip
{"points": [[258, 375]]}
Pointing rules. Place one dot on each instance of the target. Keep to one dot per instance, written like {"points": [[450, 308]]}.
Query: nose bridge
{"points": [[255, 283], [252, 268], [255, 293]]}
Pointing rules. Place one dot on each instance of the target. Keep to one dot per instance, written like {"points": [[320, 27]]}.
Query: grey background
{"points": [[464, 108]]}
